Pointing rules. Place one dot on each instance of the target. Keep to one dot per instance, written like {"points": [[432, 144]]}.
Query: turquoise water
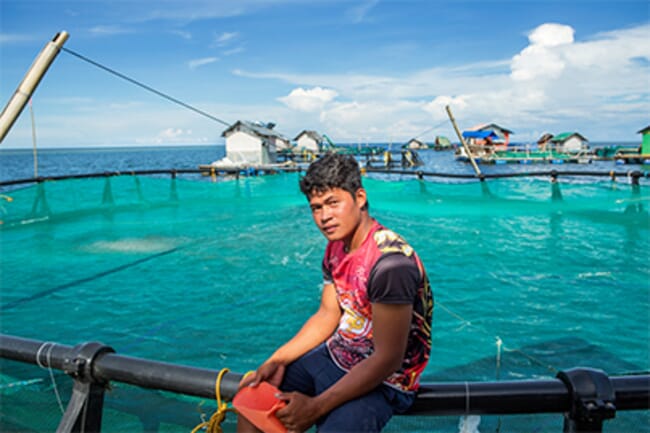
{"points": [[219, 274]]}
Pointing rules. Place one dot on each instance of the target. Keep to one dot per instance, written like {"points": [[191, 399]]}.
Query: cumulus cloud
{"points": [[555, 83], [308, 99], [437, 106], [543, 58], [197, 63], [551, 35]]}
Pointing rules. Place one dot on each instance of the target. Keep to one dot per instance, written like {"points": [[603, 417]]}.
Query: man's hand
{"points": [[270, 371], [300, 413]]}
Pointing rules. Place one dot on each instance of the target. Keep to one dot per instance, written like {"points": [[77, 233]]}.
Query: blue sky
{"points": [[359, 71]]}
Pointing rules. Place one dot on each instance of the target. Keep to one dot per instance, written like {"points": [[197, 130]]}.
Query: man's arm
{"points": [[391, 324], [316, 330]]}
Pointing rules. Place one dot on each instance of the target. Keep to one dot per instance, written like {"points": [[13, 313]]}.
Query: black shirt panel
{"points": [[394, 279]]}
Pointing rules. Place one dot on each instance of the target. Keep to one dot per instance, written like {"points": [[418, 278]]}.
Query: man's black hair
{"points": [[333, 170]]}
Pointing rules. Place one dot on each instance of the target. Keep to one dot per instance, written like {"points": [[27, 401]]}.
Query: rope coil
{"points": [[213, 425], [48, 367]]}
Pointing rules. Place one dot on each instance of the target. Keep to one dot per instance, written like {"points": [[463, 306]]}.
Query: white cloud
{"points": [[233, 51], [109, 30], [543, 57], [11, 38], [226, 38], [551, 35], [196, 63], [436, 108], [555, 83], [183, 34], [308, 99], [173, 135], [359, 13], [559, 81]]}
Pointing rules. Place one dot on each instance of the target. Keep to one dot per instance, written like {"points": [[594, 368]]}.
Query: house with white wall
{"points": [[570, 142], [309, 140], [253, 142]]}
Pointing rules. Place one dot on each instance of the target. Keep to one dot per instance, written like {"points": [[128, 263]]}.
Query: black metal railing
{"points": [[587, 397], [633, 176]]}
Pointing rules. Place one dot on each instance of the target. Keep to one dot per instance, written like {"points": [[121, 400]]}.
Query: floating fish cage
{"points": [[178, 277]]}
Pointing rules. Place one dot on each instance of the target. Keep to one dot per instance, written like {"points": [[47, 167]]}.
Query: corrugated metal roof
{"points": [[566, 135], [313, 134], [256, 128], [479, 134], [487, 126]]}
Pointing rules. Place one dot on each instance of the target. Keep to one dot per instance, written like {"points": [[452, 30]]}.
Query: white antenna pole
{"points": [[28, 85]]}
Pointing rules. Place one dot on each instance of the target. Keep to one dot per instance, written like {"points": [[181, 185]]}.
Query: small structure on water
{"points": [[570, 142], [645, 140], [253, 143], [309, 140], [636, 155], [544, 141], [440, 143], [480, 138], [414, 143], [502, 134]]}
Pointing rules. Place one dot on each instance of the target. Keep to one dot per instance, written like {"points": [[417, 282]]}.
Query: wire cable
{"points": [[144, 86]]}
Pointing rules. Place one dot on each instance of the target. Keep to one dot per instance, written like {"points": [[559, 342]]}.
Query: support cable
{"points": [[431, 129], [144, 86]]}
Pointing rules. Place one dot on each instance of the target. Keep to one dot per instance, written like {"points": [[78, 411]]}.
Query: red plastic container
{"points": [[259, 405]]}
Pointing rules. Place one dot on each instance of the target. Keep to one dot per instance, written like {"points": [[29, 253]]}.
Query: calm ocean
{"points": [[218, 274]]}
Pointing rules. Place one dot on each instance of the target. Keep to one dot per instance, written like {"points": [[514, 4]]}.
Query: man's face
{"points": [[336, 212]]}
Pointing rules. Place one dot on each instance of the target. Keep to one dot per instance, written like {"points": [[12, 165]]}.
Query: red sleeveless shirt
{"points": [[351, 274]]}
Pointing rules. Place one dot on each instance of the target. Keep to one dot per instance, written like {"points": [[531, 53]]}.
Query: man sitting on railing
{"points": [[358, 359]]}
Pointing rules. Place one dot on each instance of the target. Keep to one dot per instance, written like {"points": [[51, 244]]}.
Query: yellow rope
{"points": [[214, 424]]}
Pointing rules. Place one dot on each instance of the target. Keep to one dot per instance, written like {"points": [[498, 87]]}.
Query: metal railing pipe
{"points": [[198, 382], [444, 398]]}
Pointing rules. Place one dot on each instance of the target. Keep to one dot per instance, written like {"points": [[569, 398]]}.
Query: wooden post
{"points": [[462, 140], [28, 85]]}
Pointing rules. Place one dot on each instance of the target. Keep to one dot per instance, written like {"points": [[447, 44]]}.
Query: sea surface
{"points": [[530, 277]]}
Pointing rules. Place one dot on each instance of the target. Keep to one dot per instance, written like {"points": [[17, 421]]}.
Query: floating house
{"points": [[309, 140], [479, 138], [414, 143], [442, 143], [570, 142], [502, 134], [645, 141], [544, 141], [253, 143]]}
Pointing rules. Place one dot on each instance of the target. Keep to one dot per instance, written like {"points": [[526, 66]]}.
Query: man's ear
{"points": [[361, 198]]}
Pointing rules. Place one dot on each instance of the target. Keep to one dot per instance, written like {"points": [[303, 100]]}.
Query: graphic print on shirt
{"points": [[352, 342], [353, 325]]}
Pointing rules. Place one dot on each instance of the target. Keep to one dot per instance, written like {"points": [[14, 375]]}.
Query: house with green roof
{"points": [[570, 142]]}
